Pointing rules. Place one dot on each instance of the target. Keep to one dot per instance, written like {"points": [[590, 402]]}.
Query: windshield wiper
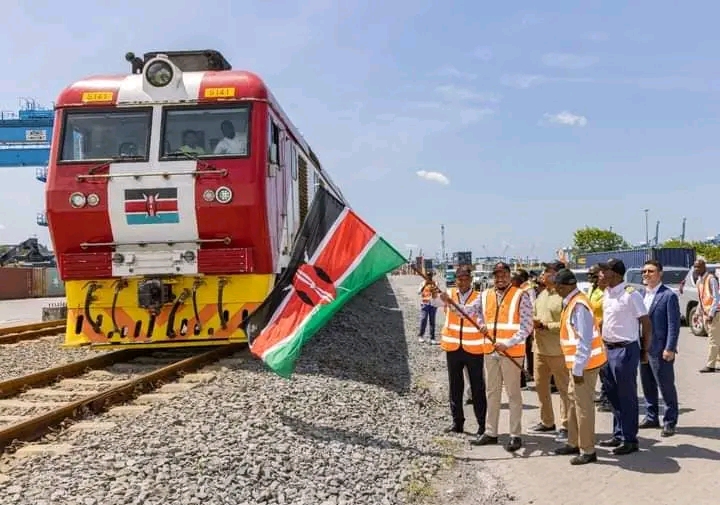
{"points": [[189, 156], [107, 162]]}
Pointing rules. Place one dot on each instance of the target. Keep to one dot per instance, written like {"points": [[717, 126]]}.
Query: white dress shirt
{"points": [[621, 311], [650, 296], [235, 145], [583, 322]]}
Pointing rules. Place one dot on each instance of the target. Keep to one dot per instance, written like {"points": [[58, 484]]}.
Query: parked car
{"points": [[449, 278], [688, 298]]}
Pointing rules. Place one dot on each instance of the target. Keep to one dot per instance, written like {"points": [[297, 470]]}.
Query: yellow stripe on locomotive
{"points": [[107, 313]]}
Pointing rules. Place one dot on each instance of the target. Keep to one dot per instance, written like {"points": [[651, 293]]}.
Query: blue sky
{"points": [[542, 116]]}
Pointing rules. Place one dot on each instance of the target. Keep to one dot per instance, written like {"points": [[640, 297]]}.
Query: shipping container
{"points": [[15, 283], [428, 265], [37, 288], [54, 286], [462, 258], [635, 258]]}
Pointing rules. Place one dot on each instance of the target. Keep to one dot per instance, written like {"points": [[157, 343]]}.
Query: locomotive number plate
{"points": [[97, 96], [219, 92]]}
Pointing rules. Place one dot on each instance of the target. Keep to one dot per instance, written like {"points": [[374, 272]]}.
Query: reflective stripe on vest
{"points": [[705, 294], [503, 321], [569, 340], [457, 331]]}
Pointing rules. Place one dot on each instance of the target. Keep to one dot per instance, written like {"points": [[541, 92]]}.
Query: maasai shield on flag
{"points": [[335, 256]]}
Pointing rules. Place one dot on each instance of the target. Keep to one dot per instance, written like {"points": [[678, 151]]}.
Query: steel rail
{"points": [[36, 427], [14, 334]]}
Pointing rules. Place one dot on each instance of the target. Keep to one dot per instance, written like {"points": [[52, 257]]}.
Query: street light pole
{"points": [[647, 236]]}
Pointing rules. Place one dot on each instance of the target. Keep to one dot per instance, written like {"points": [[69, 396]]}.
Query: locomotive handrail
{"points": [[195, 173], [225, 240]]}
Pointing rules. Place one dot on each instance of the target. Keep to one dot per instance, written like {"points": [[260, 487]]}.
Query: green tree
{"points": [[597, 240], [710, 252]]}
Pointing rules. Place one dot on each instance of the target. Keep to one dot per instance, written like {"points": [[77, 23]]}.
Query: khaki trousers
{"points": [[500, 371], [545, 368], [713, 339], [581, 412]]}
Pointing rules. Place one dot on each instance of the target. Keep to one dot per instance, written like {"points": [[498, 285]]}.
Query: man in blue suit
{"points": [[659, 372]]}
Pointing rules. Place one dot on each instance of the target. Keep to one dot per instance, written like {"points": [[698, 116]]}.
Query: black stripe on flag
{"points": [[323, 213], [137, 194]]}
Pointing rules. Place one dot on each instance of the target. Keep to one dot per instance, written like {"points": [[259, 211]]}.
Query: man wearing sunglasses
{"points": [[659, 372]]}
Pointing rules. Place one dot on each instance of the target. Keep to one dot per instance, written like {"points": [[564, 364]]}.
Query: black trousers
{"points": [[457, 361]]}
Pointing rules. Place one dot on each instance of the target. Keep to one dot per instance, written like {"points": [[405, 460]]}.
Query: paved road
{"points": [[14, 312], [681, 469]]}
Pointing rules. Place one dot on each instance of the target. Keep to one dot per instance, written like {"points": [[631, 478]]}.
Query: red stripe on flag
{"points": [[349, 239], [160, 206]]}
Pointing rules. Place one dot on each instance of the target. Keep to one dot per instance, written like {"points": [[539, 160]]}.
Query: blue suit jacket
{"points": [[665, 319]]}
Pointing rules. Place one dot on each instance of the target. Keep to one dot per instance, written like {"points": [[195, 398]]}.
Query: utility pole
{"points": [[442, 243], [647, 235], [682, 235]]}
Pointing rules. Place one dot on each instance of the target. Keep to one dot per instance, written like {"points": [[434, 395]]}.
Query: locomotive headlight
{"points": [[223, 194], [159, 73], [208, 195], [118, 258], [77, 200], [93, 199], [189, 256]]}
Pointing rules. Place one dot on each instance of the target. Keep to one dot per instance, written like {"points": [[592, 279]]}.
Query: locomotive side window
{"points": [[205, 132], [106, 135]]}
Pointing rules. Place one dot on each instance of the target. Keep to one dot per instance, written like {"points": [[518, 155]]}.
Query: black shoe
{"points": [[566, 450], [484, 440], [707, 369], [610, 442], [541, 428], [562, 436], [584, 459], [513, 444], [604, 407], [625, 448], [667, 431], [646, 423], [454, 428]]}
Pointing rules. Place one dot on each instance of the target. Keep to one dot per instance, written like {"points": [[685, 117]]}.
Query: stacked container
{"points": [[28, 282]]}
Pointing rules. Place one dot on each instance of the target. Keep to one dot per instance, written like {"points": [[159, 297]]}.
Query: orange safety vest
{"points": [[569, 340], [457, 332], [426, 293], [704, 293], [503, 321]]}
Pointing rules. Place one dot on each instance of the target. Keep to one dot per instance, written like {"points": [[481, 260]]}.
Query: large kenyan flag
{"points": [[335, 256]]}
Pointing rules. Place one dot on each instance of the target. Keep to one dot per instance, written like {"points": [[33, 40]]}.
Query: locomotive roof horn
{"points": [[185, 61]]}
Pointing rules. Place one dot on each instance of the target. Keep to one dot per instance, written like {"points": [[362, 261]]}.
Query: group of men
{"points": [[608, 333]]}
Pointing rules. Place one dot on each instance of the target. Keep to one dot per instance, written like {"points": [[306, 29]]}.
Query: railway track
{"points": [[35, 404], [14, 334]]}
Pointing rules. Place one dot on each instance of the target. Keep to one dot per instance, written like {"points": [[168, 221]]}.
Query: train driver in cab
{"points": [[190, 143], [232, 142]]}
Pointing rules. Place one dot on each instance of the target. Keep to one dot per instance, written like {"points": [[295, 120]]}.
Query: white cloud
{"points": [[454, 93], [566, 118], [567, 60], [433, 176], [452, 72], [524, 81], [483, 53]]}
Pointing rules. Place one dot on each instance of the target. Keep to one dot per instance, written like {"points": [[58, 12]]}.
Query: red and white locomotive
{"points": [[173, 198]]}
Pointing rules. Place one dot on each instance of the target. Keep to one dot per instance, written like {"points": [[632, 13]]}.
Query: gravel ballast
{"points": [[359, 423], [30, 356]]}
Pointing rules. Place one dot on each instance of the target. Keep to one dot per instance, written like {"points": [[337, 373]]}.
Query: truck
{"points": [[427, 265], [635, 258]]}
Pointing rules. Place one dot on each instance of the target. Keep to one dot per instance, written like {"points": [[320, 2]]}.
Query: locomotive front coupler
{"points": [[154, 293]]}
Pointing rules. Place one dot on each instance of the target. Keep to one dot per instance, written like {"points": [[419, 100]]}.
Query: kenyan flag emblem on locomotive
{"points": [[151, 206]]}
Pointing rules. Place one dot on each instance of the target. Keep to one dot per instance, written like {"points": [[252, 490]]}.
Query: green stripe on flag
{"points": [[380, 259]]}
